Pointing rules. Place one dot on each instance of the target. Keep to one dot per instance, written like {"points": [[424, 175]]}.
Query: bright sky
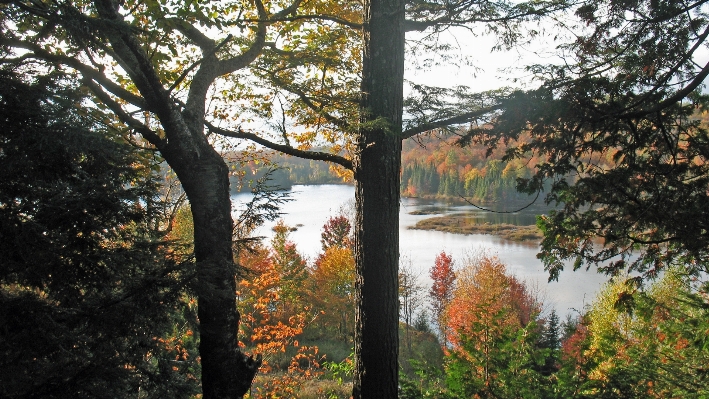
{"points": [[489, 69]]}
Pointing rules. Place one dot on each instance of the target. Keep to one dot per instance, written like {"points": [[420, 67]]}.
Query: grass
{"points": [[428, 211], [325, 389], [463, 224], [318, 388], [416, 347]]}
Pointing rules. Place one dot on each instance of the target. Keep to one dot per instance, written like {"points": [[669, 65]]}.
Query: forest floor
{"points": [[464, 224]]}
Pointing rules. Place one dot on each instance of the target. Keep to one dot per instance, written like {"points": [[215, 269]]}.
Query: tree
{"points": [[441, 291], [422, 322], [493, 334], [336, 232], [376, 167], [92, 294], [274, 320], [155, 60], [621, 133], [150, 68], [410, 299], [290, 265], [573, 372], [653, 351], [334, 276], [333, 290], [551, 341]]}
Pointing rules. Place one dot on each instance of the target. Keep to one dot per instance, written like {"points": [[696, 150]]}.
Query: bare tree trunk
{"points": [[226, 371], [377, 176]]}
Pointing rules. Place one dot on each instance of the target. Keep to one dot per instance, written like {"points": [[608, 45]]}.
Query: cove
{"points": [[312, 205]]}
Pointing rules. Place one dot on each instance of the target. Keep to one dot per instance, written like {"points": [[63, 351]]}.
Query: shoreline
{"points": [[464, 224]]}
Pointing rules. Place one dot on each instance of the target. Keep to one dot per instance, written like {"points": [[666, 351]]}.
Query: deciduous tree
{"points": [[334, 276], [333, 290], [441, 291], [493, 334], [274, 318], [410, 298], [651, 352], [336, 232]]}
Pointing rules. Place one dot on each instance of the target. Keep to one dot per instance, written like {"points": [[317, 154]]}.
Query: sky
{"points": [[488, 69]]}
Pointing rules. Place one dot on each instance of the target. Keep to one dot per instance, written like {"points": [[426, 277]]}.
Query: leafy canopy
{"points": [[621, 133]]}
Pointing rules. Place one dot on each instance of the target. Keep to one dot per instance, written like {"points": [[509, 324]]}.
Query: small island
{"points": [[464, 224]]}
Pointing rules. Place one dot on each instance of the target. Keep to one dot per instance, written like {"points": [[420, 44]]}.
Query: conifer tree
{"points": [[93, 298]]}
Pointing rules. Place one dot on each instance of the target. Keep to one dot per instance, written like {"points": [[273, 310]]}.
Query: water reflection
{"points": [[313, 205], [502, 214]]}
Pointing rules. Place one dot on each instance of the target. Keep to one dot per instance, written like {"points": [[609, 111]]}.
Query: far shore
{"points": [[464, 224]]}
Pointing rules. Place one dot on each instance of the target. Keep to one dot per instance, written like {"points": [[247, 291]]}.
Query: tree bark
{"points": [[226, 371], [377, 165]]}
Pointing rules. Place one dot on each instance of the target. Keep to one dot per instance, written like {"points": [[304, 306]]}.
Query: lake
{"points": [[311, 206]]}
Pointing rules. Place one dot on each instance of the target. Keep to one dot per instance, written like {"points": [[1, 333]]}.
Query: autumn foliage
{"points": [[486, 302], [499, 343], [659, 350], [276, 312], [336, 233], [441, 290], [493, 331], [332, 281], [333, 291], [283, 297]]}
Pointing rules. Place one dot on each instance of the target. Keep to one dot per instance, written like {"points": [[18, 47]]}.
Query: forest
{"points": [[431, 167], [282, 171], [127, 126]]}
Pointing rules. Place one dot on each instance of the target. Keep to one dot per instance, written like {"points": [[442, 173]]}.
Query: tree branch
{"points": [[186, 72], [247, 57], [343, 125], [452, 16], [126, 118], [88, 72], [146, 79], [286, 149], [331, 18], [195, 35], [128, 50], [678, 96], [291, 9], [456, 120]]}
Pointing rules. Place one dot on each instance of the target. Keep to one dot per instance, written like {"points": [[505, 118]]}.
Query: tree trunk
{"points": [[377, 166], [226, 372]]}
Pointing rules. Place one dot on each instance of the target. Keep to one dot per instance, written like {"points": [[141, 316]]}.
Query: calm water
{"points": [[313, 205]]}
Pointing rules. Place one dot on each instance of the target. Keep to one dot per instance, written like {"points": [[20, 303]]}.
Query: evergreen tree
{"points": [[551, 342], [630, 94], [290, 266], [91, 295]]}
